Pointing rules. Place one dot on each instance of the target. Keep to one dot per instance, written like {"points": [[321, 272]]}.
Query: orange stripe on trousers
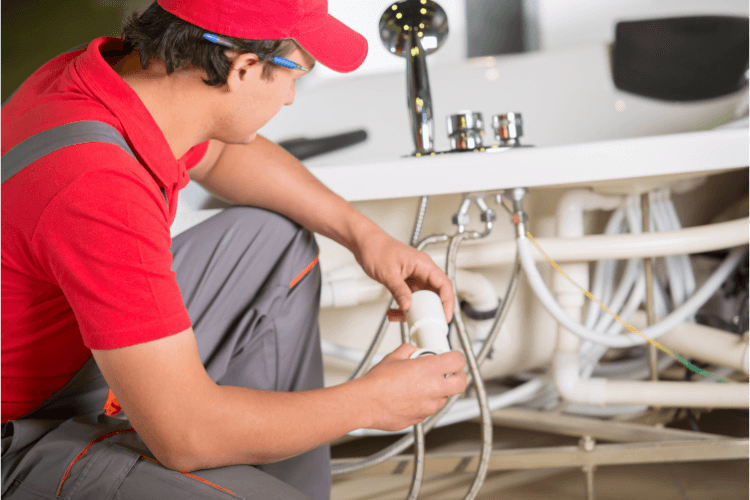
{"points": [[303, 273]]}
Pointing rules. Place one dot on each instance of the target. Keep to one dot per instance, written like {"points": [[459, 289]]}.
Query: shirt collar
{"points": [[138, 126]]}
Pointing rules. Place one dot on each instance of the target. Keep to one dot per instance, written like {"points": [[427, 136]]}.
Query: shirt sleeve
{"points": [[105, 241]]}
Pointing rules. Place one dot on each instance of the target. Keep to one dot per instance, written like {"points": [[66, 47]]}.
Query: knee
{"points": [[270, 232], [256, 222]]}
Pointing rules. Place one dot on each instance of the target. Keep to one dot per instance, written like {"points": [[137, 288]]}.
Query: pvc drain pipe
{"points": [[427, 326]]}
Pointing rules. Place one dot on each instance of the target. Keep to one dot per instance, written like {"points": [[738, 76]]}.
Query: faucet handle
{"points": [[508, 128], [465, 130]]}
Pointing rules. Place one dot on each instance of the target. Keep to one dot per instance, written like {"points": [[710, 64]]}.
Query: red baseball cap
{"points": [[326, 38]]}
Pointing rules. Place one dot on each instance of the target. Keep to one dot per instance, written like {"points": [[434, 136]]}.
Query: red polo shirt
{"points": [[85, 230]]}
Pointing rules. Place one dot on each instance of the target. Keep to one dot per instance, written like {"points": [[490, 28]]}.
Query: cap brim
{"points": [[335, 45]]}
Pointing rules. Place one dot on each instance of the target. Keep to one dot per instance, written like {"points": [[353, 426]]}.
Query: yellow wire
{"points": [[631, 328]]}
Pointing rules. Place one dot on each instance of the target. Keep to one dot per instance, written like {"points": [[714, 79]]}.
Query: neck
{"points": [[179, 103]]}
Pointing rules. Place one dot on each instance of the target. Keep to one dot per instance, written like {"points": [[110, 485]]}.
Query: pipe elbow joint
{"points": [[571, 386]]}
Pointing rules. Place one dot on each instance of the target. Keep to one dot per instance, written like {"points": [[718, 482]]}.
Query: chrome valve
{"points": [[508, 128], [466, 130]]}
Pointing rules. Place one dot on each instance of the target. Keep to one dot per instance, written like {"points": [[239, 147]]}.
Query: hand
{"points": [[406, 391], [403, 269]]}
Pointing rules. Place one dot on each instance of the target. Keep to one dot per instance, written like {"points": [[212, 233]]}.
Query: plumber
{"points": [[136, 366]]}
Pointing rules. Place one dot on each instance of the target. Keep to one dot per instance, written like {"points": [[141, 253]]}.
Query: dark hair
{"points": [[158, 33]]}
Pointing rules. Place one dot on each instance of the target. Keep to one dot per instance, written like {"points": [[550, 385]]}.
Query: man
{"points": [[208, 343]]}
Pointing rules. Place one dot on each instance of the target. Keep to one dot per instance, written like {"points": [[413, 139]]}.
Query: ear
{"points": [[242, 68]]}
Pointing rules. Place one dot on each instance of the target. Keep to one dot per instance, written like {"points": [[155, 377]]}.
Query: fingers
{"points": [[403, 351], [448, 371], [396, 315], [456, 383], [452, 362], [444, 289], [427, 276], [400, 291]]}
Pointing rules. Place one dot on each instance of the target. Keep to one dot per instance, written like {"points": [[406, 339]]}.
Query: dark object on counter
{"points": [[303, 148], [681, 58]]}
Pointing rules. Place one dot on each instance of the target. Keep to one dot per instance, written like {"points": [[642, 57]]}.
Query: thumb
{"points": [[403, 351], [401, 293]]}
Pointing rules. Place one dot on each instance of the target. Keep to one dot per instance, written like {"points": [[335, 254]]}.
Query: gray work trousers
{"points": [[248, 279]]}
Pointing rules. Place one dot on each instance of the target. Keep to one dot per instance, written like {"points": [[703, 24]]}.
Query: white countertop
{"points": [[670, 156]]}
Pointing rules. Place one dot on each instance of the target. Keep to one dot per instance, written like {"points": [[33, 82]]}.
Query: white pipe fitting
{"points": [[427, 326], [477, 290]]}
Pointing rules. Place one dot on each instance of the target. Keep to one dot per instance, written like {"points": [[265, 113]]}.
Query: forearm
{"points": [[263, 174], [265, 426], [189, 422]]}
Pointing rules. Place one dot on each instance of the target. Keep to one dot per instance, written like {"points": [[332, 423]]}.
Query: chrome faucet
{"points": [[413, 29]]}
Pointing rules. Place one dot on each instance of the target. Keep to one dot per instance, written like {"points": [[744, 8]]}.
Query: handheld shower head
{"points": [[412, 29]]}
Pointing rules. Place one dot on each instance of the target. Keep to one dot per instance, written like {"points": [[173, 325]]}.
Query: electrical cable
{"points": [[590, 352], [687, 267], [669, 322], [651, 332], [635, 223], [673, 262], [666, 220], [602, 267]]}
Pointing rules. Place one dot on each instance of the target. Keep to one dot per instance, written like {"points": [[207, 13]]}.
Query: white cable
{"points": [[673, 262], [635, 222], [629, 278], [601, 272], [591, 353], [687, 265], [628, 340]]}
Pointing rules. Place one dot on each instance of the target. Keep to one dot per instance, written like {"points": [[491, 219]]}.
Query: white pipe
{"points": [[428, 329], [571, 206], [598, 391], [349, 286], [631, 339], [602, 247], [707, 344], [477, 290], [636, 369], [567, 310], [350, 292]]}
